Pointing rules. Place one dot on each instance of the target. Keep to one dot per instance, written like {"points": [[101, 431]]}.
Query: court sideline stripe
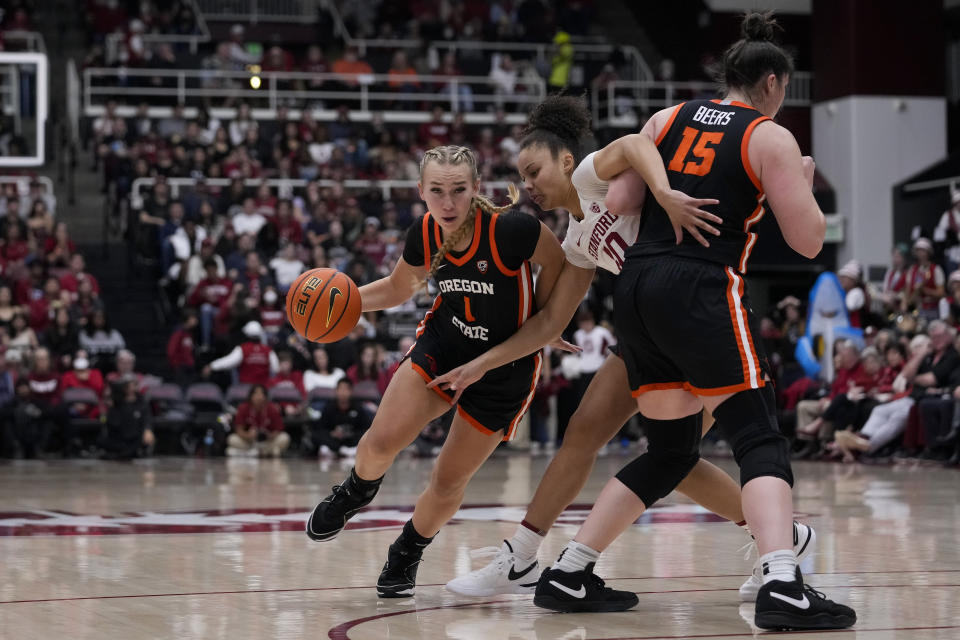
{"points": [[439, 584]]}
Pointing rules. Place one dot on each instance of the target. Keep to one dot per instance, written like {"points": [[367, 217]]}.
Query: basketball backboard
{"points": [[23, 108]]}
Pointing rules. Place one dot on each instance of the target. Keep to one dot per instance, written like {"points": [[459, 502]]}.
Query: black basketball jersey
{"points": [[704, 147], [486, 292]]}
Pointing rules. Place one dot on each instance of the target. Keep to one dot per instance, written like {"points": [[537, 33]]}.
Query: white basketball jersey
{"points": [[601, 238]]}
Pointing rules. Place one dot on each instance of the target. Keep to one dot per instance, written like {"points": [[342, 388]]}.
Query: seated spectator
{"points": [[253, 361], [40, 222], [925, 281], [180, 345], [273, 317], [287, 227], [23, 341], [128, 423], [43, 309], [851, 279], [503, 76], [367, 368], [930, 364], [126, 369], [83, 377], [208, 296], [248, 219], [352, 65], [848, 370], [286, 376], [15, 247], [895, 280], [258, 427], [950, 304], [62, 338], [45, 390], [77, 272], [435, 132], [196, 269], [255, 276], [59, 247], [8, 378], [29, 287], [25, 433], [341, 424], [236, 260], [404, 346], [286, 267], [947, 232], [86, 302], [7, 308], [370, 244], [321, 376], [100, 340]]}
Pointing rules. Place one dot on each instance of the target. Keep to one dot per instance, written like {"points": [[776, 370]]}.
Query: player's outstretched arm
{"points": [[638, 152], [542, 328], [393, 290], [549, 256]]}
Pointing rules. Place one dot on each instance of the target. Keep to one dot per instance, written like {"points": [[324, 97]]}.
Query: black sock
{"points": [[410, 539], [366, 488]]}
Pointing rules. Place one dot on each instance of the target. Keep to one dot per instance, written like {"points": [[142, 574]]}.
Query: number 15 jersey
{"points": [[704, 146]]}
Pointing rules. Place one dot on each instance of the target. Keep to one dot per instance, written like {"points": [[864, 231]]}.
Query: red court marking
{"points": [[440, 584]]}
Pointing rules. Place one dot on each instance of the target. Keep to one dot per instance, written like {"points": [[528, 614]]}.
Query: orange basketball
{"points": [[323, 305]]}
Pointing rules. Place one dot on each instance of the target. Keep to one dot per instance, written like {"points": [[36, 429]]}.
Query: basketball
{"points": [[323, 305]]}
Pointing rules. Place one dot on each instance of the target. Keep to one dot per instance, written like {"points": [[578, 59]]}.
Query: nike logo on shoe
{"points": [[580, 593], [513, 575], [799, 603]]}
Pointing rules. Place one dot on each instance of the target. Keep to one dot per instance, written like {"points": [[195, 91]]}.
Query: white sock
{"points": [[525, 543], [576, 557], [779, 565]]}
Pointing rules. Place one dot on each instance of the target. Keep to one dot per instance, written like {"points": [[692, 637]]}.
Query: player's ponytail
{"points": [[749, 60], [452, 154], [560, 123]]}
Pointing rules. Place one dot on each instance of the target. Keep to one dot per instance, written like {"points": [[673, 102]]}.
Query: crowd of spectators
{"points": [[897, 395]]}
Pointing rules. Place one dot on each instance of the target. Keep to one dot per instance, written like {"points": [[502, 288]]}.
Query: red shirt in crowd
{"points": [[255, 367], [45, 387], [845, 378], [40, 314], [886, 378], [294, 379], [94, 382], [433, 130], [210, 291], [265, 418], [180, 349], [16, 250], [288, 229], [70, 282], [272, 318]]}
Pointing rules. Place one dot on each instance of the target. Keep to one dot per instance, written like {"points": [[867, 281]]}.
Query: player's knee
{"points": [[748, 423], [447, 485], [673, 451], [583, 436], [378, 444]]}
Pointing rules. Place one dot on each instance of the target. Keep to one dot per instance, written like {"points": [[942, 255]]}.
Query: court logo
{"points": [[482, 266]]}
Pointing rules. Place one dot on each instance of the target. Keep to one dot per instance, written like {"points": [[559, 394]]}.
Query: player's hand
{"points": [[562, 345], [457, 380], [809, 167], [685, 213]]}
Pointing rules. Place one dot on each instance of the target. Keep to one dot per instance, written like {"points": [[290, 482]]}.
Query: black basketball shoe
{"points": [[399, 576], [331, 515], [795, 605], [580, 591]]}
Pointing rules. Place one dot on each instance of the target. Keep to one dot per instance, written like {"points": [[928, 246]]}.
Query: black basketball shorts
{"points": [[687, 324], [494, 403]]}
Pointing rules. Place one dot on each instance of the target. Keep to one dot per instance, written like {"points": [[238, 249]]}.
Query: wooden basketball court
{"points": [[191, 548]]}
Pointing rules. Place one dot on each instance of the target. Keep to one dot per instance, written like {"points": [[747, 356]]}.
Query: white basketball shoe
{"points": [[804, 539], [505, 574]]}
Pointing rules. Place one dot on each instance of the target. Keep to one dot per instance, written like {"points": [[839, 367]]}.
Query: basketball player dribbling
{"points": [[557, 132]]}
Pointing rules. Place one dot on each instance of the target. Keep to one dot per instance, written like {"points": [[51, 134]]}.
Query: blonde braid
{"points": [[452, 154]]}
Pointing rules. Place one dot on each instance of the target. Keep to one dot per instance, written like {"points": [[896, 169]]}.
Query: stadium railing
{"points": [[621, 103], [254, 11], [285, 187], [23, 182], [112, 42], [193, 86], [28, 40]]}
